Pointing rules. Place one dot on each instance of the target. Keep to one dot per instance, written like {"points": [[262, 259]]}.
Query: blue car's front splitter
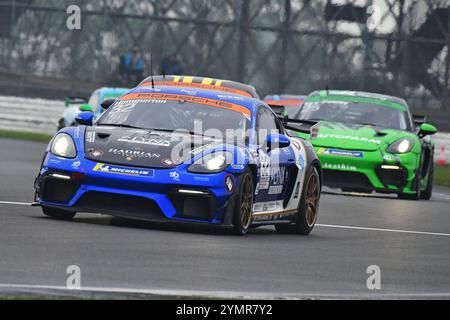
{"points": [[165, 195]]}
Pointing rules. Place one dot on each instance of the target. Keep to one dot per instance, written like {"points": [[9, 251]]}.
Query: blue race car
{"points": [[75, 105], [145, 158]]}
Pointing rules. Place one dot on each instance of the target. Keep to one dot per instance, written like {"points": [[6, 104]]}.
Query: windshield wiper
{"points": [[192, 133], [120, 126], [373, 125]]}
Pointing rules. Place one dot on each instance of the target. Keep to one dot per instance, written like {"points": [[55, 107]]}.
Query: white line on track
{"points": [[165, 293], [441, 196], [384, 230], [16, 203], [319, 225]]}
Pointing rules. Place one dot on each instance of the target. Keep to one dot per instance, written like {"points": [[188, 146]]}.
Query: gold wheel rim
{"points": [[246, 202], [312, 200]]}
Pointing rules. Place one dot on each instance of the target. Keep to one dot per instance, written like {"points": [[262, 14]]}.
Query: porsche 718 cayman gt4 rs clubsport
{"points": [[370, 142], [145, 158]]}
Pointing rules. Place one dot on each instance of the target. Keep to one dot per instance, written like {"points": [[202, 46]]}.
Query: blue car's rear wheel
{"points": [[58, 214], [242, 219], [308, 207]]}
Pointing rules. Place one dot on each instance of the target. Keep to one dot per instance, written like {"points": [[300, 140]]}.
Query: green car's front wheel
{"points": [[428, 192]]}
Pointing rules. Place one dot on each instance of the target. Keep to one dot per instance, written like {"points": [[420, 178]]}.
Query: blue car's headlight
{"points": [[401, 146], [212, 163], [63, 146]]}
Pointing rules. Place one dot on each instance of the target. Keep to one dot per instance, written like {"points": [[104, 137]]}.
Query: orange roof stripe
{"points": [[198, 86], [287, 102], [193, 99]]}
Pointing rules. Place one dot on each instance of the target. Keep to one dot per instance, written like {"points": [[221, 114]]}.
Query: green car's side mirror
{"points": [[86, 107], [427, 129]]}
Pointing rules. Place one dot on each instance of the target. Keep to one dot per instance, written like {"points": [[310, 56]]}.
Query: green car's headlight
{"points": [[401, 146], [212, 163], [63, 146]]}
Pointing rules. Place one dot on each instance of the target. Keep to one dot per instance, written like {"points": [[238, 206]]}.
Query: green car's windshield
{"points": [[356, 113], [172, 116]]}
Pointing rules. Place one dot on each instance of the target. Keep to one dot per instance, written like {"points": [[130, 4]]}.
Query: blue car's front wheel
{"points": [[58, 213], [244, 208]]}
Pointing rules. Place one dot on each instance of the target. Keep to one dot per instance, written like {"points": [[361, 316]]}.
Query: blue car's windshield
{"points": [[356, 113], [173, 115]]}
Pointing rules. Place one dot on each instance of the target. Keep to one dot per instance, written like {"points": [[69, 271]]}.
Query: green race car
{"points": [[370, 142]]}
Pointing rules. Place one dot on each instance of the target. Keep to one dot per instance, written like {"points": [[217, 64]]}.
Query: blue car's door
{"points": [[276, 167]]}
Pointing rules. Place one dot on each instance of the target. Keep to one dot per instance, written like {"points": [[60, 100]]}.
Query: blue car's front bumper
{"points": [[82, 185]]}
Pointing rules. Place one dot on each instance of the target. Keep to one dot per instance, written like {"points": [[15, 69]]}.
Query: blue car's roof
{"points": [[247, 102]]}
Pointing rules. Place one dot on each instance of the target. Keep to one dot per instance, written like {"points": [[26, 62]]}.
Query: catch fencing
{"points": [[42, 116]]}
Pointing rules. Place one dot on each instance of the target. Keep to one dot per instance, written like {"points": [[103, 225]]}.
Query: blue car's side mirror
{"points": [[277, 141], [85, 118]]}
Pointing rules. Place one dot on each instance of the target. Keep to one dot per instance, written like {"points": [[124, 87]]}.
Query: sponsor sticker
{"points": [[132, 154], [301, 162], [53, 161], [341, 153], [229, 183], [168, 162], [101, 167], [202, 179], [174, 175], [389, 157], [339, 166], [90, 136], [264, 183], [76, 164], [275, 189], [95, 153], [347, 137], [297, 190], [238, 166], [268, 206]]}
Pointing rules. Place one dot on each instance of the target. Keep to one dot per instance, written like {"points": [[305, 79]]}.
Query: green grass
{"points": [[30, 136], [442, 175]]}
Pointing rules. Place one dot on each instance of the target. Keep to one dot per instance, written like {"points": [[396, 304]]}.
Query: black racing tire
{"points": [[428, 192], [58, 214], [242, 217], [308, 208]]}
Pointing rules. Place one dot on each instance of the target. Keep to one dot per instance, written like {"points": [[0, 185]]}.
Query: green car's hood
{"points": [[355, 136]]}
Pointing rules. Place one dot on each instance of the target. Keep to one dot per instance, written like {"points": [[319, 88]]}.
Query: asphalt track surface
{"points": [[408, 240]]}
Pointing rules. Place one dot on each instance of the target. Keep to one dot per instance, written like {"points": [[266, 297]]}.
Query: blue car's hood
{"points": [[142, 148]]}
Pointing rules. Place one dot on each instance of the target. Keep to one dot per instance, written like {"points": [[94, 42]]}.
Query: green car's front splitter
{"points": [[367, 171]]}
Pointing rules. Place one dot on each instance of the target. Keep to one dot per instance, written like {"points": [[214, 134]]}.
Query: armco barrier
{"points": [[38, 115], [33, 115]]}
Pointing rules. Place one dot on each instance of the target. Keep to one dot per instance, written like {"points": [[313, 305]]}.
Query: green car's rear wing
{"points": [[303, 126]]}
